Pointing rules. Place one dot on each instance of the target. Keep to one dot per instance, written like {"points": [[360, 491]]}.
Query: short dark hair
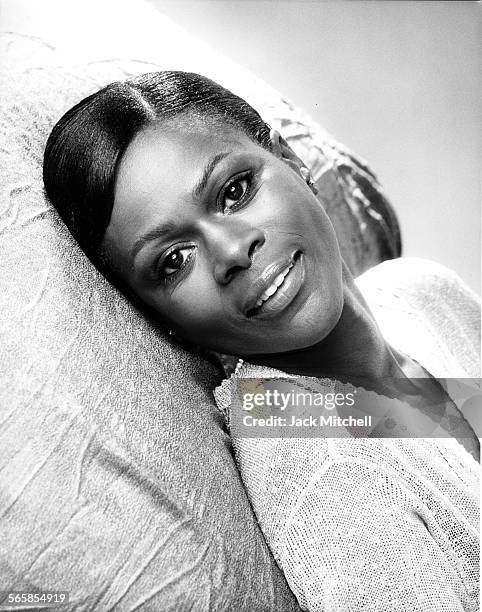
{"points": [[85, 146]]}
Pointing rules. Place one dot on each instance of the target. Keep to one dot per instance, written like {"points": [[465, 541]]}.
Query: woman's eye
{"points": [[175, 261], [235, 192]]}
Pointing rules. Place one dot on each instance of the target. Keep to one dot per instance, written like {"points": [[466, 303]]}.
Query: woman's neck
{"points": [[354, 351]]}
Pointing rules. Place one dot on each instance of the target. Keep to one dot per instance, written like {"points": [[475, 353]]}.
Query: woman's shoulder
{"points": [[415, 276], [426, 310], [425, 288]]}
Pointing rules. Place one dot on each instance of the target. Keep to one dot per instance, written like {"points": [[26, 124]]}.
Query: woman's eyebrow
{"points": [[208, 170]]}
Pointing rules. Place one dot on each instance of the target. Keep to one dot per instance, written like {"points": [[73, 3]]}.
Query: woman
{"points": [[186, 200]]}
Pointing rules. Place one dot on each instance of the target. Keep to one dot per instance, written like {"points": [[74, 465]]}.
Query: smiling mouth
{"points": [[281, 291]]}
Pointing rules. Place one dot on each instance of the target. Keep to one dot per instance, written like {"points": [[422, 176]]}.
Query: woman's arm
{"points": [[359, 540]]}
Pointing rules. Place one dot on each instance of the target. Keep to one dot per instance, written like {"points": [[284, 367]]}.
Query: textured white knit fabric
{"points": [[379, 525]]}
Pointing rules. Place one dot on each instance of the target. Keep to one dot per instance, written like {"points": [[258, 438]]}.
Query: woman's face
{"points": [[224, 240]]}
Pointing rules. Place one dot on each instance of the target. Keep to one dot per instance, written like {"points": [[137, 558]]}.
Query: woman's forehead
{"points": [[162, 154], [185, 138]]}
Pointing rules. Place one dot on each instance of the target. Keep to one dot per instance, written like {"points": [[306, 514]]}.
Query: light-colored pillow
{"points": [[116, 476]]}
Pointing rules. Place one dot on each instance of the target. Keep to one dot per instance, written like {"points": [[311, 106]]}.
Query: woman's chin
{"points": [[298, 335]]}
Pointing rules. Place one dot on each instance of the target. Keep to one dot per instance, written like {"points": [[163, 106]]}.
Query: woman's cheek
{"points": [[196, 311]]}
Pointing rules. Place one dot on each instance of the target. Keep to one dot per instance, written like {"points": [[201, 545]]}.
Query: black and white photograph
{"points": [[240, 313]]}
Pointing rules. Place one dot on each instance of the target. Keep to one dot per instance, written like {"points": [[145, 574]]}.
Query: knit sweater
{"points": [[378, 525]]}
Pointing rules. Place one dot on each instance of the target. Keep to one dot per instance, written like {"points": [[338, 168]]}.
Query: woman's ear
{"points": [[282, 150]]}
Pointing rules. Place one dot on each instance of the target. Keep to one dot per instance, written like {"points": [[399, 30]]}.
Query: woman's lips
{"points": [[275, 285], [280, 291]]}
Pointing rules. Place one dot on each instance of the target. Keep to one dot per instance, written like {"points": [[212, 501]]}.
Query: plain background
{"points": [[397, 82]]}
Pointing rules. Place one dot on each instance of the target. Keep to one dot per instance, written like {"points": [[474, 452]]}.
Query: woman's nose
{"points": [[232, 244]]}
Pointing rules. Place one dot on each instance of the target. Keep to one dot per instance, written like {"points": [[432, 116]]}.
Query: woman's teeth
{"points": [[273, 288]]}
